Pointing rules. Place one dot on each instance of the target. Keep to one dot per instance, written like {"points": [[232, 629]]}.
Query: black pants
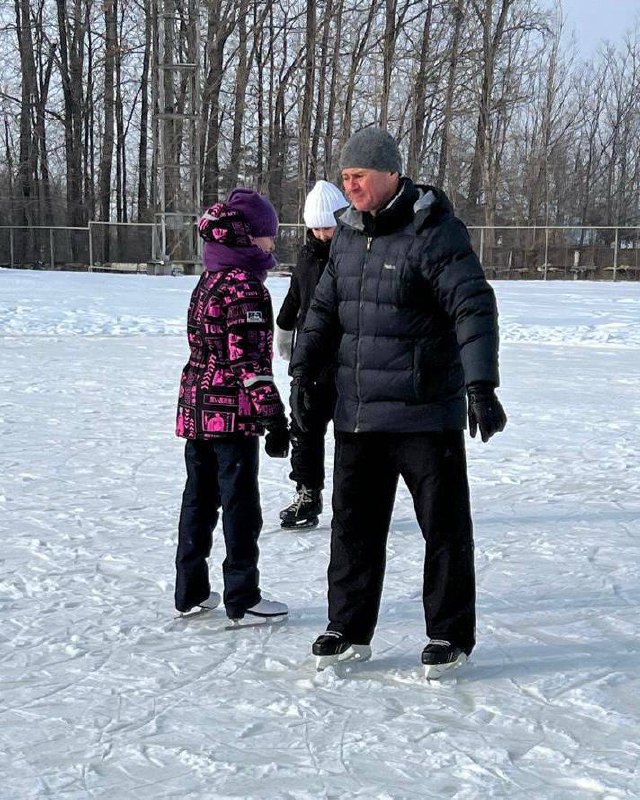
{"points": [[367, 467], [220, 473], [307, 448]]}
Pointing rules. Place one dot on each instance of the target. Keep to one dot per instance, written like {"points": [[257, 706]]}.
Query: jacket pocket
{"points": [[437, 376]]}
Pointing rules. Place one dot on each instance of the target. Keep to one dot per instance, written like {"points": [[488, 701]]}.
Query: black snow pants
{"points": [[366, 472], [307, 448], [221, 472]]}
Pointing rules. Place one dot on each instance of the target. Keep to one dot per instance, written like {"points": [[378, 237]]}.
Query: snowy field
{"points": [[104, 695]]}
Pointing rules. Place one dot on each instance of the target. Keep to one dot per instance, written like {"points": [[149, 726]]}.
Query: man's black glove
{"points": [[276, 442], [301, 402], [485, 411]]}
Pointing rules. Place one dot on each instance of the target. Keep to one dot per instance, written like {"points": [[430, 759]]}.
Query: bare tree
{"points": [[242, 79], [304, 127], [106, 158], [480, 94], [457, 13], [143, 192], [71, 33], [27, 163], [221, 21], [492, 26]]}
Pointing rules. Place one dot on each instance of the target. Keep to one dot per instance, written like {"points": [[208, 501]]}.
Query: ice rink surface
{"points": [[104, 695]]}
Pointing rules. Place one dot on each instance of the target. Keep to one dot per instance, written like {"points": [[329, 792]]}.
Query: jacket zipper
{"points": [[360, 308]]}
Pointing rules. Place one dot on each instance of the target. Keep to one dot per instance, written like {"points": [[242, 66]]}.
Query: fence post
{"points": [[482, 245], [11, 253], [546, 251], [615, 254], [52, 256], [90, 247]]}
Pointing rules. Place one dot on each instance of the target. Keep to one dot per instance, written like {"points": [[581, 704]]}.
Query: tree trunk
{"points": [[221, 20], [143, 195], [418, 99], [320, 120], [492, 36], [121, 153], [333, 96], [27, 164], [242, 79], [71, 47], [457, 12], [304, 128], [106, 158]]}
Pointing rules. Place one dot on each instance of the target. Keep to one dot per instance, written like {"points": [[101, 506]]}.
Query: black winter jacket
{"points": [[312, 260], [415, 317]]}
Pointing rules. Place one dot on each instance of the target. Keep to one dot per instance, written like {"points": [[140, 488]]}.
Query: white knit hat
{"points": [[321, 203]]}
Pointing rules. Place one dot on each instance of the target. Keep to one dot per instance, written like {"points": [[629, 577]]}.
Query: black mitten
{"points": [[276, 442], [485, 411]]}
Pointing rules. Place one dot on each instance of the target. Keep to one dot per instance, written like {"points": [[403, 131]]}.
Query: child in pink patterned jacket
{"points": [[227, 399]]}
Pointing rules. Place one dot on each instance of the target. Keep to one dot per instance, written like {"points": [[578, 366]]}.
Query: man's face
{"points": [[368, 189]]}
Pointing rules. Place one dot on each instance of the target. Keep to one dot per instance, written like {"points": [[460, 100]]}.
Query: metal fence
{"points": [[542, 253], [554, 252]]}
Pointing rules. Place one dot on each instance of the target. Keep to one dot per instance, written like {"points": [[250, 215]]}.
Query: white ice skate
{"points": [[213, 601], [263, 611]]}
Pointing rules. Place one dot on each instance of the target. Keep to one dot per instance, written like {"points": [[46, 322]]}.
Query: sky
{"points": [[595, 20]]}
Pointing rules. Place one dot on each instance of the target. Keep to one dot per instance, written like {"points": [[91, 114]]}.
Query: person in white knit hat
{"points": [[307, 449]]}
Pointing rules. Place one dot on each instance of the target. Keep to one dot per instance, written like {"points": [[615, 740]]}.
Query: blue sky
{"points": [[595, 20]]}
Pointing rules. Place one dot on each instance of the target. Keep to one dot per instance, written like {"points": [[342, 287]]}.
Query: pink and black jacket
{"points": [[227, 385]]}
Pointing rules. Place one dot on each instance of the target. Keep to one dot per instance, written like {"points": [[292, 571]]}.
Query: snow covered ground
{"points": [[104, 695]]}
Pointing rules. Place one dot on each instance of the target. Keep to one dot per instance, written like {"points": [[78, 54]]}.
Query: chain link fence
{"points": [[507, 253]]}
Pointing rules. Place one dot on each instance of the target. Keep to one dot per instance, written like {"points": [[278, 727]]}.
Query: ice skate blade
{"points": [[433, 672], [300, 526], [356, 652], [209, 604], [267, 617], [254, 621]]}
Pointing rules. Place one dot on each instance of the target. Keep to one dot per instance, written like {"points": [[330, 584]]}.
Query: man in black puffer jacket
{"points": [[417, 326]]}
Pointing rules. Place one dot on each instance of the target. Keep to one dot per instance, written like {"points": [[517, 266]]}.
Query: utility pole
{"points": [[176, 130]]}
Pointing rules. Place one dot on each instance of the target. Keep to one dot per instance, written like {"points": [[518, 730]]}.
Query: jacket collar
{"points": [[430, 207], [420, 206], [318, 248]]}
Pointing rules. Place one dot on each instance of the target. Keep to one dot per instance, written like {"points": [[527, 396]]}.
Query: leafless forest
{"points": [[487, 97]]}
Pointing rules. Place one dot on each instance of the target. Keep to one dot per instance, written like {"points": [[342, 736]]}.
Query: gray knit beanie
{"points": [[371, 148]]}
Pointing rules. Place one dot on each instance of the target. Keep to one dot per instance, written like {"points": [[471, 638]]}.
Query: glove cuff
{"points": [[481, 390], [276, 423]]}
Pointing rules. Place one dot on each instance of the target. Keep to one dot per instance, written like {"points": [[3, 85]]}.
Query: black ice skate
{"points": [[332, 648], [304, 511], [440, 656]]}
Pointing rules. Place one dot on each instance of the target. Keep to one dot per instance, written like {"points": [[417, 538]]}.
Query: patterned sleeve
{"points": [[250, 346]]}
